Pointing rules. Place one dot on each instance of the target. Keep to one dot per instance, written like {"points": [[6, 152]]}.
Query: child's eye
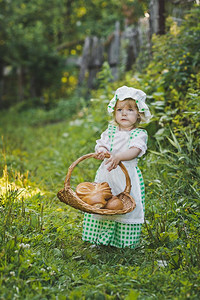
{"points": [[119, 109], [130, 109]]}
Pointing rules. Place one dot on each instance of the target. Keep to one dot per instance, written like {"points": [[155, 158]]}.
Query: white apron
{"points": [[118, 141]]}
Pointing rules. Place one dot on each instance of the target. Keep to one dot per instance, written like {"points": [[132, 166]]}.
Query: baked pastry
{"points": [[114, 204], [94, 194]]}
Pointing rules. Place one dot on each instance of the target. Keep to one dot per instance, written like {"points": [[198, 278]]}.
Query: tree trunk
{"points": [[20, 84], [157, 16], [161, 20]]}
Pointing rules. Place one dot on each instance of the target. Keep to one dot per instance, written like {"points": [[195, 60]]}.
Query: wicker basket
{"points": [[69, 197]]}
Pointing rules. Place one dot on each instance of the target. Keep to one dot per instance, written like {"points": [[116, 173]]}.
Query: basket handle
{"points": [[94, 155]]}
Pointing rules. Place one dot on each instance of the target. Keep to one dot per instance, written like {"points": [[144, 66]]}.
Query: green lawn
{"points": [[42, 254]]}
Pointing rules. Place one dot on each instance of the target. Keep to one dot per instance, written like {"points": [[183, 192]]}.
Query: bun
{"points": [[96, 199], [104, 186], [114, 204], [94, 194], [84, 188]]}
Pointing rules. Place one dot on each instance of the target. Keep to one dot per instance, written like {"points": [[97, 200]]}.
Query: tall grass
{"points": [[42, 254]]}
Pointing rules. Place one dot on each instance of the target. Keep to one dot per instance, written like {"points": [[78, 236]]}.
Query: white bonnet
{"points": [[139, 96]]}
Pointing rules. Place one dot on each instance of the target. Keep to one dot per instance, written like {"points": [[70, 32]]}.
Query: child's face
{"points": [[126, 114]]}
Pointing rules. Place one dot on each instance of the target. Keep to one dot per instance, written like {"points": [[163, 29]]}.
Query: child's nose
{"points": [[124, 112]]}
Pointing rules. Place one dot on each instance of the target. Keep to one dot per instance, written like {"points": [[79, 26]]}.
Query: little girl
{"points": [[125, 142]]}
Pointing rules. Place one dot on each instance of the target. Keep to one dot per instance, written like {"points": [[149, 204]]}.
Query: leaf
{"points": [[133, 295], [175, 144]]}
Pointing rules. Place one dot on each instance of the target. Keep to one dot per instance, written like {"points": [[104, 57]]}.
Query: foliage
{"points": [[41, 248], [175, 61], [33, 41], [28, 47], [48, 113]]}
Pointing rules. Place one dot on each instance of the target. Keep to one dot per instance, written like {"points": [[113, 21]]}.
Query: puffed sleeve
{"points": [[139, 140], [104, 141]]}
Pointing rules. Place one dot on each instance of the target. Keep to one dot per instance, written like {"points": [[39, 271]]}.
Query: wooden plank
{"points": [[114, 51], [84, 60]]}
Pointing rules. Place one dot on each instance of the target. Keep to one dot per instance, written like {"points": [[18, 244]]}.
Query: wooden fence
{"points": [[120, 50], [123, 47]]}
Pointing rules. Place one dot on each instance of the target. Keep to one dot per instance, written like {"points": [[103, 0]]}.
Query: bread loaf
{"points": [[114, 204], [94, 193], [95, 199]]}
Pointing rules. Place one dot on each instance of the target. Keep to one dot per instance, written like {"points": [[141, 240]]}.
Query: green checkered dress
{"points": [[111, 233], [106, 231]]}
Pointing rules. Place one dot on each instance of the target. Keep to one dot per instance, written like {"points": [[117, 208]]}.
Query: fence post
{"points": [[95, 60], [84, 60], [114, 50]]}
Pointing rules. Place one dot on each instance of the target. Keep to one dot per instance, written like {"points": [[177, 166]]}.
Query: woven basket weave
{"points": [[69, 197]]}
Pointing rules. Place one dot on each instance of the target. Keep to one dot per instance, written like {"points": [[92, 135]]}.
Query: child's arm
{"points": [[129, 154]]}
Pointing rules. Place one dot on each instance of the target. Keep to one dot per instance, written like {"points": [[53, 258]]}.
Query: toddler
{"points": [[125, 142]]}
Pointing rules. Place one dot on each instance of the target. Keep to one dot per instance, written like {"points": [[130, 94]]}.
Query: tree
{"points": [[34, 36], [29, 36]]}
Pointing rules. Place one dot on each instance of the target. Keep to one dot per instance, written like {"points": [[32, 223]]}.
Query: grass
{"points": [[42, 254]]}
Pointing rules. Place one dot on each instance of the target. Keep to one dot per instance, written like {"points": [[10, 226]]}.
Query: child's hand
{"points": [[112, 162], [126, 155], [101, 153]]}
